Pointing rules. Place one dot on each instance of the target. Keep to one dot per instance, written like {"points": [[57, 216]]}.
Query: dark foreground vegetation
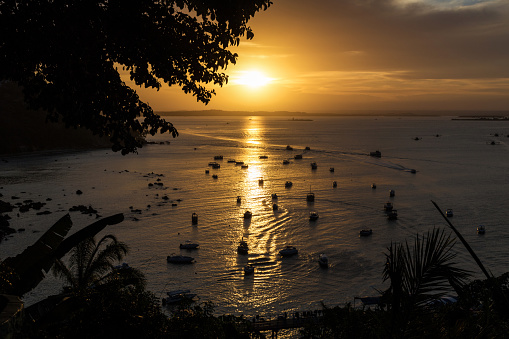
{"points": [[102, 300]]}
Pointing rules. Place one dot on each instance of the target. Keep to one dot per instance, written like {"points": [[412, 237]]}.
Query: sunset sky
{"points": [[365, 55]]}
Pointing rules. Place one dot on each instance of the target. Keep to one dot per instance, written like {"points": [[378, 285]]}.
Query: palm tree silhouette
{"points": [[91, 264]]}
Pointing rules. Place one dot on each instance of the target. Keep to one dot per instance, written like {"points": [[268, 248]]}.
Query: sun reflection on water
{"points": [[261, 232]]}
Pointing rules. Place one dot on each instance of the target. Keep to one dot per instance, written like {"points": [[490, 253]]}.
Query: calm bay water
{"points": [[456, 167]]}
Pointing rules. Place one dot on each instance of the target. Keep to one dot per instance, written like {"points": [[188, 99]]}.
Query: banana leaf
{"points": [[29, 265]]}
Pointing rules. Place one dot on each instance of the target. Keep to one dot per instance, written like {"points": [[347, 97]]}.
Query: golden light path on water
{"points": [[258, 232]]}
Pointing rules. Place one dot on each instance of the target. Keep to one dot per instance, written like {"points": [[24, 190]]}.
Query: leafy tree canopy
{"points": [[66, 55]]}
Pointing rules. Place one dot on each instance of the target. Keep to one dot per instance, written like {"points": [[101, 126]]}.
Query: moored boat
{"points": [[373, 186], [334, 184], [392, 215], [297, 156], [248, 215], [243, 248], [289, 148], [331, 169], [249, 269], [188, 245], [218, 157], [263, 157], [178, 296], [274, 196], [392, 193], [310, 197], [194, 218], [314, 165], [239, 199], [313, 216], [286, 162], [288, 251], [481, 229], [388, 206], [179, 259], [323, 261], [365, 232], [449, 213], [288, 184], [376, 154]]}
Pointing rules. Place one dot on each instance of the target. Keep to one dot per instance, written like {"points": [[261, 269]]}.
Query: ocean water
{"points": [[454, 162]]}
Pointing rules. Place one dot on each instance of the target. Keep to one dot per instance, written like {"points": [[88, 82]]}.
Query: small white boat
{"points": [[365, 232], [179, 259], [178, 296], [288, 251], [274, 196], [288, 184], [313, 216], [248, 215], [188, 245], [481, 229], [194, 218], [448, 212], [314, 165], [249, 269], [323, 261]]}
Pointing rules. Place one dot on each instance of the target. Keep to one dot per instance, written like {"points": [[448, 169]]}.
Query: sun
{"points": [[251, 78]]}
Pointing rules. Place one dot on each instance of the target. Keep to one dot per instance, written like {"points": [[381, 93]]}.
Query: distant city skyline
{"points": [[365, 55]]}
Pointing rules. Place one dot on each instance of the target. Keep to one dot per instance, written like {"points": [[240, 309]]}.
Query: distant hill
{"points": [[230, 113], [23, 130], [415, 113]]}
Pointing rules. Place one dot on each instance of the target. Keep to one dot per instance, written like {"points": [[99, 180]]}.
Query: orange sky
{"points": [[366, 55]]}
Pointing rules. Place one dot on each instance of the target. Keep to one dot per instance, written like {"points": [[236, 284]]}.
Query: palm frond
{"points": [[430, 267], [424, 271]]}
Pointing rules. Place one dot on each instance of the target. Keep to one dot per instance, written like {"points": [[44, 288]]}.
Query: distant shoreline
{"points": [[456, 113]]}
